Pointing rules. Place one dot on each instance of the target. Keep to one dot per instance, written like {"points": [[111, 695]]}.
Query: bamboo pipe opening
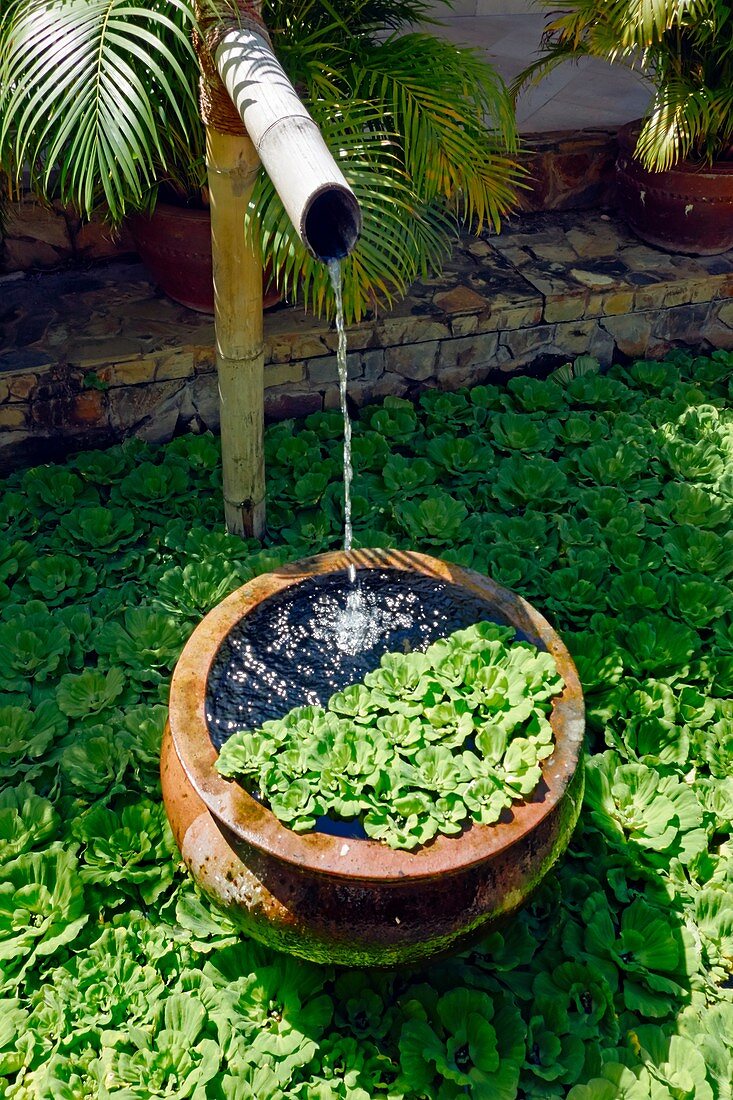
{"points": [[331, 223]]}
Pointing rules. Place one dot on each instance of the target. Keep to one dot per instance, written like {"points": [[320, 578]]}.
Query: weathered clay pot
{"points": [[687, 209], [174, 243], [361, 903]]}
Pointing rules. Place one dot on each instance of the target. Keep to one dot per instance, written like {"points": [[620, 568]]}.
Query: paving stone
{"points": [[525, 343], [135, 372], [20, 255], [613, 305], [278, 374], [682, 325], [593, 242], [466, 353], [22, 386], [364, 393], [163, 421], [278, 351], [284, 405], [507, 316], [464, 325], [13, 416], [506, 301], [651, 296], [715, 332], [96, 241], [92, 353], [22, 360], [373, 363], [566, 308], [32, 328], [129, 406], [414, 361], [684, 293], [177, 364], [461, 300], [205, 400], [631, 333], [41, 222], [90, 407], [409, 330], [724, 313], [307, 347], [596, 280], [325, 369]]}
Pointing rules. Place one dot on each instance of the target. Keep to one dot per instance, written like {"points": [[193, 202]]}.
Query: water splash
{"points": [[334, 271], [289, 650]]}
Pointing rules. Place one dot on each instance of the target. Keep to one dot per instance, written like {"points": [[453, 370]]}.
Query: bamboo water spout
{"points": [[252, 113]]}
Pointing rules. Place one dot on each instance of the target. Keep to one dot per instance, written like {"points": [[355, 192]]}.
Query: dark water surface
{"points": [[299, 647]]}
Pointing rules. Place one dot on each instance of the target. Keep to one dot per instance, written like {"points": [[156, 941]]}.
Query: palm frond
{"points": [[686, 51], [680, 122], [455, 119], [85, 83]]}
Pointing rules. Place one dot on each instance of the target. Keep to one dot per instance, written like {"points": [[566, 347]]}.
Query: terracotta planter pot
{"points": [[174, 243], [687, 209], [360, 903]]}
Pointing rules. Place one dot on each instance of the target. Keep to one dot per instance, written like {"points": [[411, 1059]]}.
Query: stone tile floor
{"points": [[580, 95], [87, 357]]}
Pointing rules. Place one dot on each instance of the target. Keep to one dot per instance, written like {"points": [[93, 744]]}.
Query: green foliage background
{"points": [[604, 499]]}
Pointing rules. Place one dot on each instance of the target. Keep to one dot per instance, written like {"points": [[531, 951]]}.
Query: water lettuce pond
{"points": [[605, 500]]}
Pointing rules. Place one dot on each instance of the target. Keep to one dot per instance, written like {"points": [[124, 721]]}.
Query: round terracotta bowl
{"points": [[686, 209], [358, 902]]}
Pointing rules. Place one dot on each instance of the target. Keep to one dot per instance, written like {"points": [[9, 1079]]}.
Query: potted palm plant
{"points": [[675, 166], [99, 106]]}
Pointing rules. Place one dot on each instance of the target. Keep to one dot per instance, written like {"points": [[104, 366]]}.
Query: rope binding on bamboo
{"points": [[216, 18]]}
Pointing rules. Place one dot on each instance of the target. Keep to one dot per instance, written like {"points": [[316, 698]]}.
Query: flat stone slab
{"points": [[90, 357]]}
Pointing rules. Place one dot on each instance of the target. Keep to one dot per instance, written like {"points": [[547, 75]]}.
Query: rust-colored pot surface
{"points": [[358, 902], [687, 209], [174, 243]]}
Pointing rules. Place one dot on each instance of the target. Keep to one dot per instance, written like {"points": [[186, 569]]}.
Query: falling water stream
{"points": [[334, 271]]}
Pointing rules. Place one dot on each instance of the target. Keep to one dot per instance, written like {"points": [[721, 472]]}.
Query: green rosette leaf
{"points": [[41, 909], [26, 821], [26, 735]]}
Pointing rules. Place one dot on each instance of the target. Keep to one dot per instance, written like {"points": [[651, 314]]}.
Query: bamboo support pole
{"points": [[233, 165], [251, 110]]}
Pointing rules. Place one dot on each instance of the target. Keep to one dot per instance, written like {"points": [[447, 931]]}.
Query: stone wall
{"points": [[92, 358]]}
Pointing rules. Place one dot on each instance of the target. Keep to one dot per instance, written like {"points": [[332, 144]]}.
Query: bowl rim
{"points": [[367, 860]]}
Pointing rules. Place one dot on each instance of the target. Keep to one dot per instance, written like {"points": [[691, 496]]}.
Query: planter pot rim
{"points": [[367, 860], [169, 211], [628, 136]]}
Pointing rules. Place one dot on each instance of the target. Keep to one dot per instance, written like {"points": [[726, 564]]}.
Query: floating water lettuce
{"points": [[104, 986], [103, 530], [124, 852], [190, 591], [41, 909], [624, 950], [26, 732], [32, 647], [473, 1040], [654, 815], [26, 821], [428, 742], [172, 1057]]}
